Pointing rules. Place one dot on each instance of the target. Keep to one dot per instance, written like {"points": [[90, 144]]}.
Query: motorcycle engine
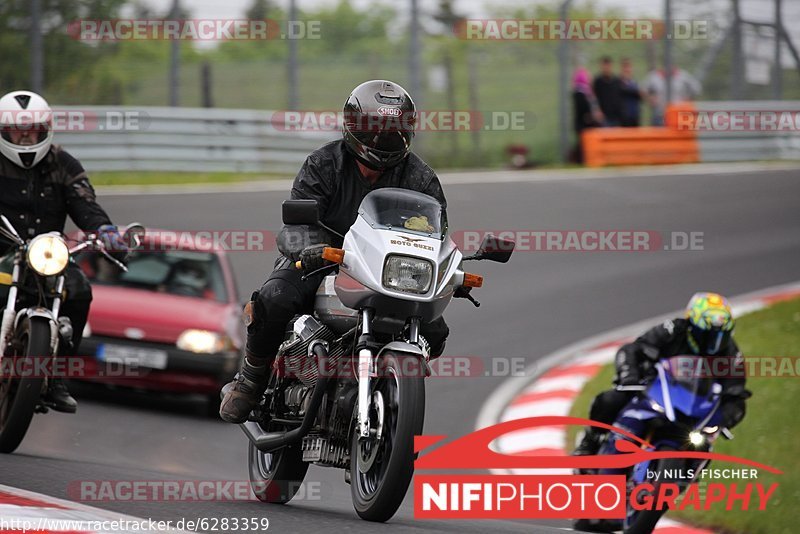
{"points": [[293, 357]]}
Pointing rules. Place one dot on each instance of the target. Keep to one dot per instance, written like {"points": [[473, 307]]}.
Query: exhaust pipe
{"points": [[272, 441]]}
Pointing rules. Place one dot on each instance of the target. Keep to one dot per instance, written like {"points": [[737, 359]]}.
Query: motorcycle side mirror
{"points": [[494, 248], [134, 235], [301, 211]]}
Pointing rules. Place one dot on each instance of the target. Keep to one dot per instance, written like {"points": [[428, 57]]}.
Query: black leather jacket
{"points": [[330, 176], [38, 200], [667, 339]]}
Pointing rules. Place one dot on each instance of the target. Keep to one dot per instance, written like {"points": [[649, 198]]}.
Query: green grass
{"points": [[768, 434], [175, 178]]}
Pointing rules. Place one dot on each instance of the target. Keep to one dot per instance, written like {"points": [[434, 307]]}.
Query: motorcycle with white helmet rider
{"points": [[41, 185]]}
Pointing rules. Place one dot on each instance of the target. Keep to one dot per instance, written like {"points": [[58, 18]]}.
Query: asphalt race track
{"points": [[536, 303]]}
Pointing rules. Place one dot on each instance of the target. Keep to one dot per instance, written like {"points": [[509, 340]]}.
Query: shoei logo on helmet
{"points": [[390, 111]]}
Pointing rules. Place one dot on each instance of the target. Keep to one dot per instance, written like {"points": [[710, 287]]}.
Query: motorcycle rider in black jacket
{"points": [[40, 184], [705, 331], [379, 119]]}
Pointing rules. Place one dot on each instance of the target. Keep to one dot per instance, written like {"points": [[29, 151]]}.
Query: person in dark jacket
{"points": [[607, 90], [373, 153], [631, 95], [705, 331], [586, 113], [40, 185]]}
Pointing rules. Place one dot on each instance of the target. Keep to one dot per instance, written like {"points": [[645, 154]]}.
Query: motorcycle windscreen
{"points": [[403, 210], [690, 392]]}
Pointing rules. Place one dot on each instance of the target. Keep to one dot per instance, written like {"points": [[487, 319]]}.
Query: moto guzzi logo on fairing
{"points": [[410, 242], [598, 496]]}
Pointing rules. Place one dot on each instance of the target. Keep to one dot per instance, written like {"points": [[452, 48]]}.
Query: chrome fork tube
{"points": [[57, 298], [366, 368], [10, 311]]}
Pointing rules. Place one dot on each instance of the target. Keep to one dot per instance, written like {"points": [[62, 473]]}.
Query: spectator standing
{"points": [[631, 95], [607, 89], [684, 87], [586, 110]]}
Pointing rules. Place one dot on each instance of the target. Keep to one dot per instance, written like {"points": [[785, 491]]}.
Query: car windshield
{"points": [[177, 272], [403, 210]]}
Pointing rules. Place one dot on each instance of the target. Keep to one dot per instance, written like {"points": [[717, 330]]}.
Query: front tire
{"points": [[644, 522], [381, 470], [19, 396]]}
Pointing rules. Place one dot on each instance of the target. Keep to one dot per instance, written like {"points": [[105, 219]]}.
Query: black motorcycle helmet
{"points": [[379, 121]]}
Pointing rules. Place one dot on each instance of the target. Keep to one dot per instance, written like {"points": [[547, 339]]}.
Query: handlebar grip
{"points": [[298, 264]]}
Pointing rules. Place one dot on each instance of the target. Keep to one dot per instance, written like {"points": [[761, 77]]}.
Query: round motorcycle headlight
{"points": [[407, 274], [48, 254], [696, 438]]}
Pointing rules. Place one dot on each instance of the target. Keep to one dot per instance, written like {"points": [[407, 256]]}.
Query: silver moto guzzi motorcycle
{"points": [[347, 387], [31, 330]]}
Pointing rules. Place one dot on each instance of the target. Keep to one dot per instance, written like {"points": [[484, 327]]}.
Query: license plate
{"points": [[132, 356]]}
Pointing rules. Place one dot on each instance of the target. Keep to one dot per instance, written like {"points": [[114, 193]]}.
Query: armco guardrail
{"points": [[724, 132], [187, 139], [703, 132]]}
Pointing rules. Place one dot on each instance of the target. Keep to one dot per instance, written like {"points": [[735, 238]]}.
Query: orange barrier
{"points": [[642, 146]]}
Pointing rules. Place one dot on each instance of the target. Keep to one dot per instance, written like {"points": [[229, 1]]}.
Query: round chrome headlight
{"points": [[48, 254]]}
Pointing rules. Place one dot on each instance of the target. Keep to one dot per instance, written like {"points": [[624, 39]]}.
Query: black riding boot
{"points": [[246, 389], [590, 443], [58, 398]]}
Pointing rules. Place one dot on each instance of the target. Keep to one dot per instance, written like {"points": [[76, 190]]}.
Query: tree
{"points": [[64, 55]]}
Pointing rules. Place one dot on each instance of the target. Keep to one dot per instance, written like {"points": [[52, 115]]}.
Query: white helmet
{"points": [[25, 111]]}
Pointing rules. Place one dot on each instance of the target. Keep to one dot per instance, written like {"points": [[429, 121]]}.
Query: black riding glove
{"points": [[628, 375], [114, 243], [732, 412], [311, 257]]}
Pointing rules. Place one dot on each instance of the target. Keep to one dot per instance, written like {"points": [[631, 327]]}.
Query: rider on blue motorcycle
{"points": [[706, 330]]}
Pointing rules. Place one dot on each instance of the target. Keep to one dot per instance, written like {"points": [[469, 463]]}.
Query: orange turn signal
{"points": [[472, 280], [336, 255]]}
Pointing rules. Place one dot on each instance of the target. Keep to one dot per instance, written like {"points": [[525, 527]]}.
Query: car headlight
{"points": [[203, 341], [48, 254], [407, 274]]}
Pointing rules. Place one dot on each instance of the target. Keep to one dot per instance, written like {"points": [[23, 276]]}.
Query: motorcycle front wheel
{"points": [[644, 522], [19, 395], [381, 468]]}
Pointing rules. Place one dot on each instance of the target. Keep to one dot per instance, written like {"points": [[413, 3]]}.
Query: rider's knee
{"points": [[268, 312], [606, 405]]}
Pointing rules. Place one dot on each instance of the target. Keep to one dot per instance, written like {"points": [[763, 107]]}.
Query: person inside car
{"points": [[40, 185], [706, 330], [373, 153]]}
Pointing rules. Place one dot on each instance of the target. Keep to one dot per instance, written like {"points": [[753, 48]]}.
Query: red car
{"points": [[171, 323]]}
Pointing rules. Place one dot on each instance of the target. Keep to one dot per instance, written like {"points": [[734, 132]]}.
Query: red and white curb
{"points": [[35, 513], [551, 385]]}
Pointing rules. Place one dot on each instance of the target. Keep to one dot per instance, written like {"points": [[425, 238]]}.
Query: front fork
{"points": [[10, 310], [367, 368]]}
